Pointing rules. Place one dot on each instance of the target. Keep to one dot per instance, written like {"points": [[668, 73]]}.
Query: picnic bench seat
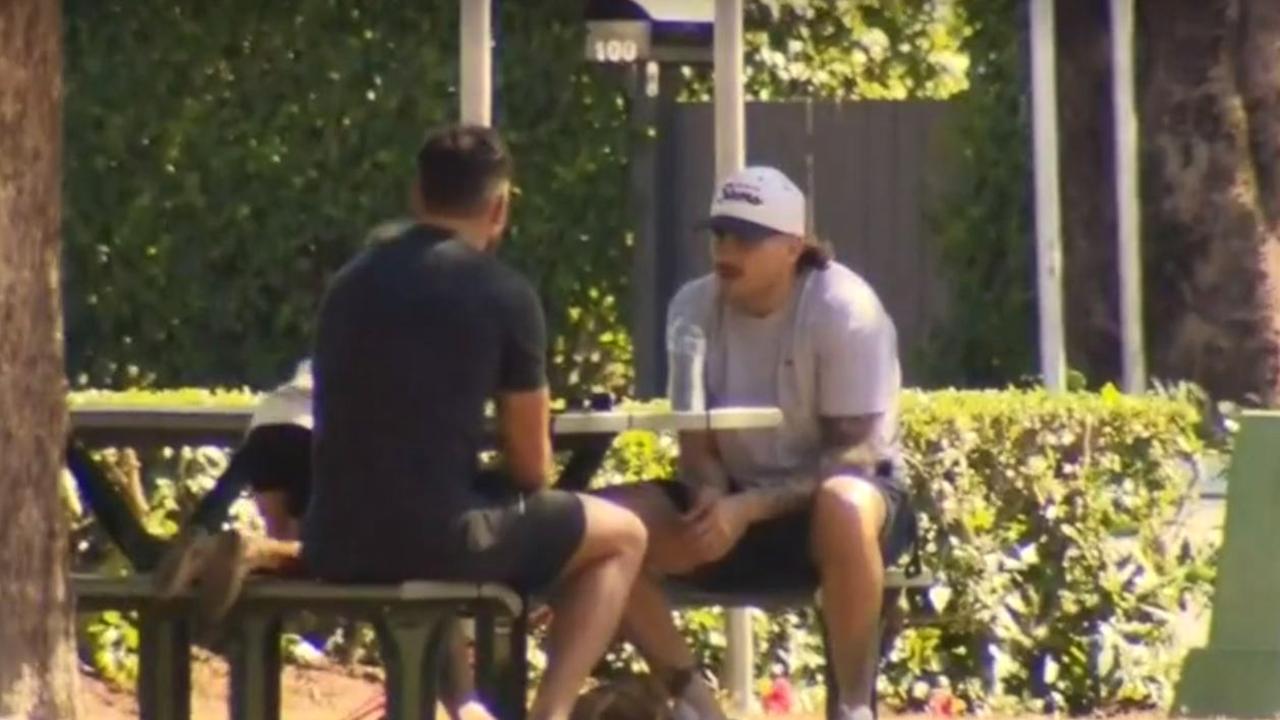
{"points": [[411, 620], [896, 580]]}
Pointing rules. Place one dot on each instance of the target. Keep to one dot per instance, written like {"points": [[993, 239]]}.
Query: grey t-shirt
{"points": [[755, 346], [832, 351]]}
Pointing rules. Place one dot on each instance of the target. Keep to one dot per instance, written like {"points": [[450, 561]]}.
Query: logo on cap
{"points": [[749, 194]]}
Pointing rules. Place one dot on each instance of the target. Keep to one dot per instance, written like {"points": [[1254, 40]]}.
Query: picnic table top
{"points": [[106, 416]]}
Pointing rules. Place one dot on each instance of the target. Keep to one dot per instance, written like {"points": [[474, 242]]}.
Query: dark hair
{"points": [[816, 255], [459, 167]]}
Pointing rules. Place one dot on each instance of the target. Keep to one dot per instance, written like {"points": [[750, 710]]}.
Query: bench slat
{"points": [[98, 592], [688, 596]]}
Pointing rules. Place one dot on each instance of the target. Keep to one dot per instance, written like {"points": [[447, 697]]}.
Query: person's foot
{"points": [[182, 562], [222, 576]]}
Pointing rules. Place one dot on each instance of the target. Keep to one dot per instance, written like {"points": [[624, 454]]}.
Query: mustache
{"points": [[727, 271]]}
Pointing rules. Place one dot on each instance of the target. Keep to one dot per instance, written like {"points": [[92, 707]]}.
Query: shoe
{"points": [[182, 562], [861, 712]]}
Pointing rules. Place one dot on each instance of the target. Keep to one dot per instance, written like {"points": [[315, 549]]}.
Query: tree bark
{"points": [[1209, 113], [37, 658]]}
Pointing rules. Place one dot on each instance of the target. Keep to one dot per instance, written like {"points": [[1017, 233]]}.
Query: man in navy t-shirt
{"points": [[416, 335]]}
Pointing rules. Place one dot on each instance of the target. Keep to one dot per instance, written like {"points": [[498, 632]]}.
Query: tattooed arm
{"points": [[700, 468], [844, 450]]}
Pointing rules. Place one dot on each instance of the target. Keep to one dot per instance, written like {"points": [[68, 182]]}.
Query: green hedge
{"points": [[1051, 522], [984, 222], [223, 158], [1054, 523]]}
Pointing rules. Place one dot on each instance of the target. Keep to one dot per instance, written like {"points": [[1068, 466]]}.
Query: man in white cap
{"points": [[820, 500]]}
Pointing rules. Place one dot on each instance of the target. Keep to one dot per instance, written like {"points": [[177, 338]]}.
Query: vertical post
{"points": [[647, 311], [1044, 95], [731, 124], [475, 61], [731, 133], [1128, 230]]}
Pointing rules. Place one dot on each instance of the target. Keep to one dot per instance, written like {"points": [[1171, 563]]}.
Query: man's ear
{"points": [[500, 208]]}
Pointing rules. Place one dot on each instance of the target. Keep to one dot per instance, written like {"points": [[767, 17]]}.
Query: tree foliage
{"points": [[855, 49], [224, 158]]}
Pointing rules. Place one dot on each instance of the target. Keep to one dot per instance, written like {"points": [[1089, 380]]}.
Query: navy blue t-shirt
{"points": [[414, 336]]}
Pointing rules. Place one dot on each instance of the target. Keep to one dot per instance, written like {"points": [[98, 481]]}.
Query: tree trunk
{"points": [[37, 658], [1087, 166], [1209, 112]]}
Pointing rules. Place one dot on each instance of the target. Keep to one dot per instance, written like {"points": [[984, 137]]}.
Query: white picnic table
{"points": [[107, 422], [97, 421]]}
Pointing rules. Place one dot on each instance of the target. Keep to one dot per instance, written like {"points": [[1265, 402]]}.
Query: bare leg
{"points": [[266, 554], [847, 517], [588, 604], [648, 622]]}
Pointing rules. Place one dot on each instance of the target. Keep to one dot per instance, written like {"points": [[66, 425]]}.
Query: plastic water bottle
{"points": [[686, 359]]}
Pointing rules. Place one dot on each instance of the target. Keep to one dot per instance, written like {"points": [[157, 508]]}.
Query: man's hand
{"points": [[703, 497], [715, 524]]}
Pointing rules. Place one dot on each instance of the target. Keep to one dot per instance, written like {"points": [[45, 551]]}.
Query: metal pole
{"points": [[647, 311], [730, 139], [1044, 96], [1128, 230], [475, 61], [731, 125]]}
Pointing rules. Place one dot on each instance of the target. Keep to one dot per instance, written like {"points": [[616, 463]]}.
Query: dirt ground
{"points": [[308, 694], [332, 693]]}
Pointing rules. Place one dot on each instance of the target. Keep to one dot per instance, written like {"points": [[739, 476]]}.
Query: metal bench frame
{"points": [[412, 621]]}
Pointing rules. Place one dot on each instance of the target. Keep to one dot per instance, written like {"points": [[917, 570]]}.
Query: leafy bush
{"points": [[983, 224], [1052, 524], [224, 158]]}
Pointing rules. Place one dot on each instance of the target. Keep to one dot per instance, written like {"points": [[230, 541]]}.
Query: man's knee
{"points": [[848, 508], [635, 536], [615, 526]]}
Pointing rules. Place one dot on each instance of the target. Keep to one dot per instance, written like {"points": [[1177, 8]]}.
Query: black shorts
{"points": [[490, 533], [774, 555], [524, 540], [277, 458]]}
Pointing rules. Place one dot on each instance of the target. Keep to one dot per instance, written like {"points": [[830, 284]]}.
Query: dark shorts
{"points": [[520, 539], [774, 555], [277, 458], [489, 533]]}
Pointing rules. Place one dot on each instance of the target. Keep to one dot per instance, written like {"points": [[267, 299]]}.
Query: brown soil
{"points": [[327, 693]]}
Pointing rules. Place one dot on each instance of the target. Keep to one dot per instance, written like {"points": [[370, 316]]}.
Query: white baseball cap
{"points": [[755, 203]]}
